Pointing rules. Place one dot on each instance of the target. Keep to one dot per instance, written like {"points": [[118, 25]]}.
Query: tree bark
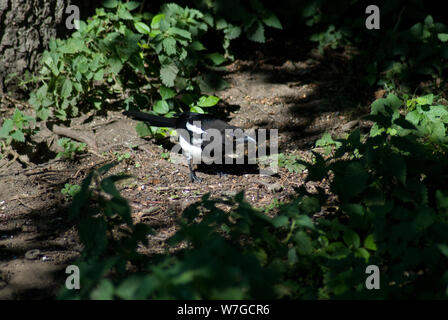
{"points": [[26, 27]]}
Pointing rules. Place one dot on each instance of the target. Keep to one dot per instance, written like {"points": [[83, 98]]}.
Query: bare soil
{"points": [[303, 94]]}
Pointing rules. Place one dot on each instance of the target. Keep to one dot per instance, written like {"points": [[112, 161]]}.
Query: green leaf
{"points": [[197, 46], [405, 124], [99, 75], [18, 118], [429, 21], [443, 249], [67, 88], [119, 205], [108, 184], [303, 242], [115, 65], [142, 129], [197, 109], [156, 20], [7, 127], [271, 20], [304, 221], [104, 169], [131, 5], [380, 106], [424, 218], [216, 58], [42, 92], [221, 24], [280, 221], [292, 256], [43, 113], [443, 37], [436, 112], [18, 136], [168, 74], [92, 233], [350, 180], [395, 166], [442, 201], [142, 27], [161, 107], [362, 253], [129, 287], [351, 238], [104, 291], [327, 140], [166, 93], [353, 209], [369, 243], [110, 3], [425, 100], [73, 46], [169, 45], [413, 117], [208, 101], [180, 32], [233, 32], [256, 32]]}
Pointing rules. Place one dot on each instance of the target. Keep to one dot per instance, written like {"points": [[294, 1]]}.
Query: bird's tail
{"points": [[152, 120]]}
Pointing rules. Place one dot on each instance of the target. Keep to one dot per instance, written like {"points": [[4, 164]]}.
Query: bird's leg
{"points": [[193, 176], [221, 174], [220, 171]]}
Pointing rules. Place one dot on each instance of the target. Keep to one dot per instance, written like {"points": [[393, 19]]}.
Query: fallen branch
{"points": [[75, 135]]}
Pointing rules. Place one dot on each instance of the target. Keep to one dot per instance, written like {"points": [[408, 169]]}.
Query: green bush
{"points": [[389, 54], [155, 61], [390, 201], [392, 195]]}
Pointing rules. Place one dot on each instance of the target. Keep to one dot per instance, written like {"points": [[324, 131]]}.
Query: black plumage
{"points": [[196, 131]]}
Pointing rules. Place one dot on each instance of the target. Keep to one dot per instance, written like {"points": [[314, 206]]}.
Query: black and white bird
{"points": [[196, 131]]}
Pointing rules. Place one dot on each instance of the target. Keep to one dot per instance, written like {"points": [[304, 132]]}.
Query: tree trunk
{"points": [[26, 27]]}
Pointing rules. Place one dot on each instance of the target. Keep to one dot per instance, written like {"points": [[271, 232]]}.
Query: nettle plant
{"points": [[108, 56], [155, 61], [74, 71], [16, 130], [392, 203], [425, 119], [172, 39], [71, 149]]}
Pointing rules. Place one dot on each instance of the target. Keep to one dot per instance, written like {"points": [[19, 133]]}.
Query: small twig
{"points": [[9, 173], [16, 156], [398, 19], [138, 157], [15, 101], [7, 164]]}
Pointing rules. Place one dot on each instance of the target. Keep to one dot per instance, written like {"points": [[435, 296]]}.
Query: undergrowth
{"points": [[391, 211]]}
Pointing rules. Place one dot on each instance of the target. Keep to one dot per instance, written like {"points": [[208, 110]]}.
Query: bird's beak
{"points": [[246, 139]]}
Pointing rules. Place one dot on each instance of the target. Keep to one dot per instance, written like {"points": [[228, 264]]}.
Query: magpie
{"points": [[196, 132]]}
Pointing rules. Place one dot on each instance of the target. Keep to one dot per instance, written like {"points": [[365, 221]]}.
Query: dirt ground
{"points": [[303, 94]]}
